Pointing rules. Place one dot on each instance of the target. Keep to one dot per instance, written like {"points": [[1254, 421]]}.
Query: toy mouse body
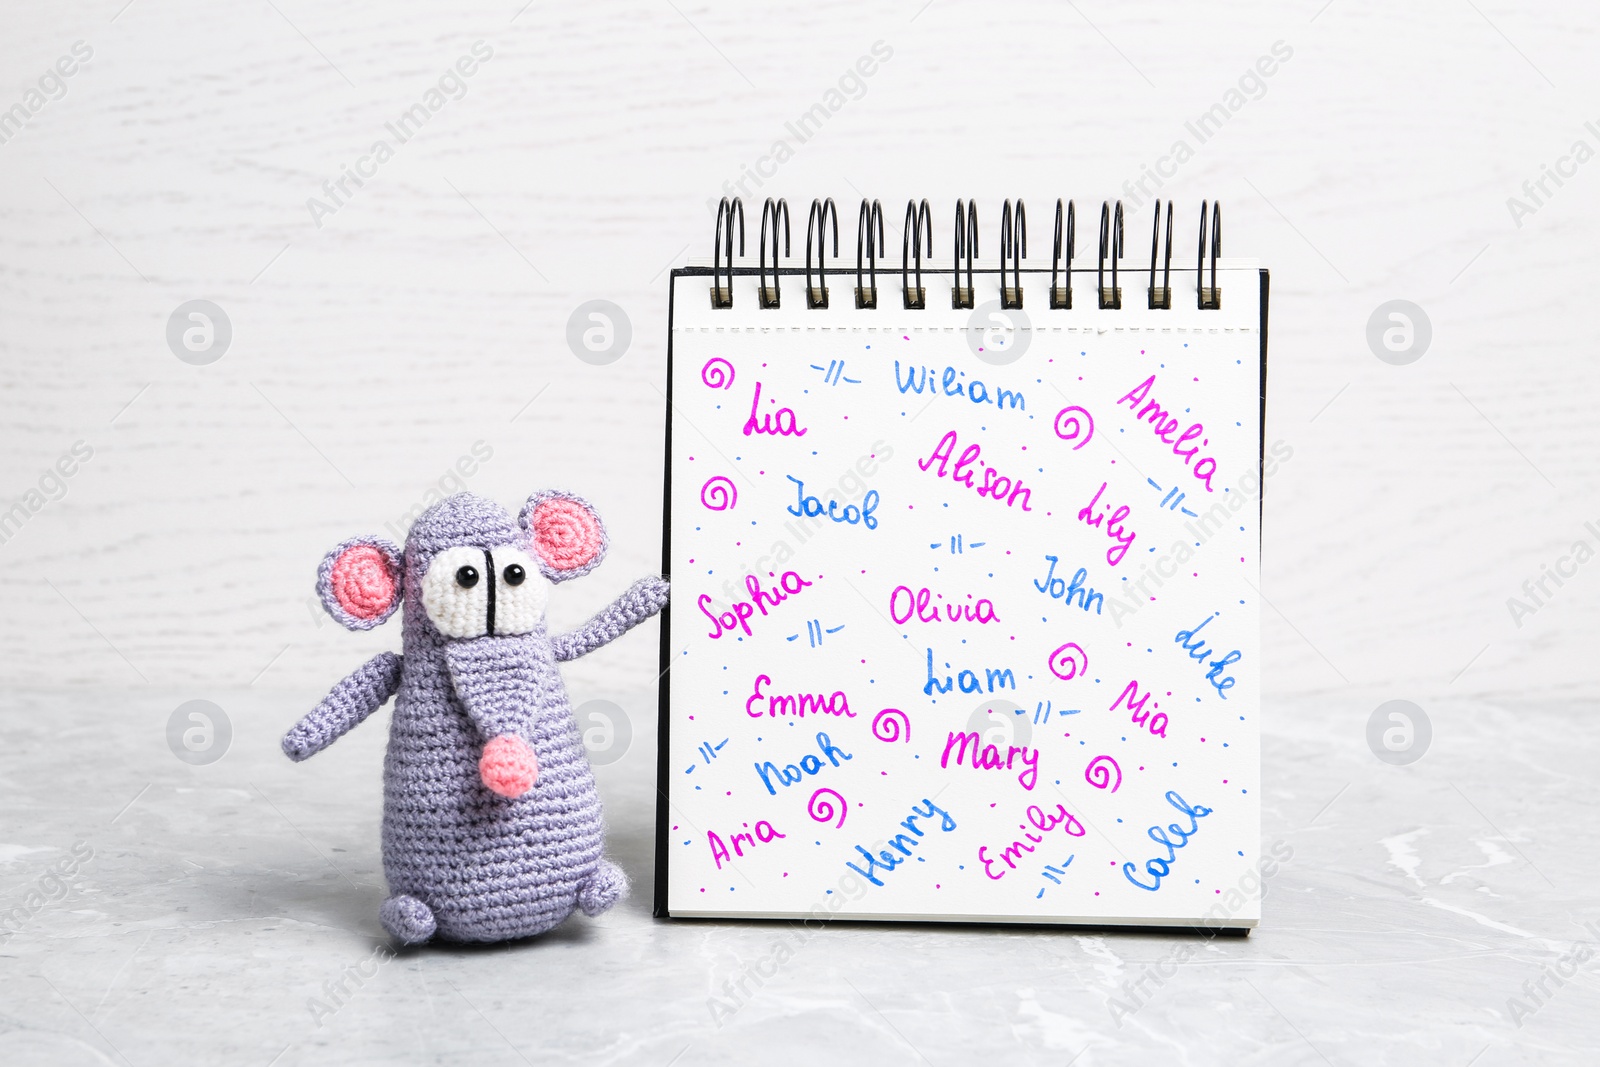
{"points": [[491, 821]]}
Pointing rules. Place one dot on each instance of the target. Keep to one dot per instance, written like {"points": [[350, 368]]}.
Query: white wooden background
{"points": [[369, 354]]}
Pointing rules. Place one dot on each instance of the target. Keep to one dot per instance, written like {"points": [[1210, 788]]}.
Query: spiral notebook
{"points": [[964, 554]]}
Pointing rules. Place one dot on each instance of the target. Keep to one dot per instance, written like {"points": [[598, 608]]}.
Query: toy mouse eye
{"points": [[456, 589], [521, 591]]}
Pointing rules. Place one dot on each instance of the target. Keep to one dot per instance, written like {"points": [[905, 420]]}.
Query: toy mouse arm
{"points": [[644, 599], [346, 705]]}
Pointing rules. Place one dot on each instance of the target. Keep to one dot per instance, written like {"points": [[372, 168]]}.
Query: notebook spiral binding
{"points": [[916, 254]]}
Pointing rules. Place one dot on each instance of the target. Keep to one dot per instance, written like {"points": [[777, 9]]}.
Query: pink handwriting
{"points": [[763, 832], [1040, 820], [987, 757], [1114, 526], [994, 485], [1165, 425], [903, 604], [780, 423], [1130, 693], [798, 706], [738, 617]]}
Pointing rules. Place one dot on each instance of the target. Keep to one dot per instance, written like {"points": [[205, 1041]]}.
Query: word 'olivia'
{"points": [[1159, 867], [995, 485], [799, 705], [738, 617], [1164, 426], [763, 832], [886, 861], [1042, 821], [987, 757], [903, 604]]}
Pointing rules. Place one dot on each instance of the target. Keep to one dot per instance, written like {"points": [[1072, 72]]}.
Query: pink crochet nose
{"points": [[508, 766]]}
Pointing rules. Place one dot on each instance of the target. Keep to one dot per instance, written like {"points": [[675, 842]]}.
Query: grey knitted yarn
{"points": [[466, 862]]}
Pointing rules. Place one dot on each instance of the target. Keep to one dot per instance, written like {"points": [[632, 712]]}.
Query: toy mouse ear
{"points": [[359, 582], [565, 533]]}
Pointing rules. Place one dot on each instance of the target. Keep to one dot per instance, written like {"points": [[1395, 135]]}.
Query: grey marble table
{"points": [[228, 914]]}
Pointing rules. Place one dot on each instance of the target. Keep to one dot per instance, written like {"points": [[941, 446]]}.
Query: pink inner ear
{"points": [[565, 534], [361, 582]]}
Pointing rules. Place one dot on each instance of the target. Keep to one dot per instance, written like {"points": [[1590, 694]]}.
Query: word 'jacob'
{"points": [[810, 507]]}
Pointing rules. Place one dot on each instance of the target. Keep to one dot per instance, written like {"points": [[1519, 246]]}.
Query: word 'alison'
{"points": [[738, 617], [1164, 425], [995, 485]]}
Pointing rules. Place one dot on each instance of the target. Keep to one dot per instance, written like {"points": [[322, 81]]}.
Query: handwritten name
{"points": [[967, 680], [799, 705], [1040, 820], [918, 378], [1164, 425], [987, 757], [995, 485], [763, 833], [811, 507], [1060, 589], [810, 764], [886, 861], [738, 617], [1192, 644], [904, 605], [780, 423], [1171, 837], [1114, 526], [1136, 706]]}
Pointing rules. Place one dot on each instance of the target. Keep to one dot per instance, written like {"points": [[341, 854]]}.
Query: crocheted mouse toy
{"points": [[491, 821]]}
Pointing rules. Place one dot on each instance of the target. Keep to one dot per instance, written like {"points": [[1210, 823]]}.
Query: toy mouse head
{"points": [[472, 570]]}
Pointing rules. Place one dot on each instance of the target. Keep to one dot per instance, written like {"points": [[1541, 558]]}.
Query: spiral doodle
{"points": [[1068, 661], [719, 494], [1068, 417], [1099, 771], [823, 812], [891, 724], [714, 374]]}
